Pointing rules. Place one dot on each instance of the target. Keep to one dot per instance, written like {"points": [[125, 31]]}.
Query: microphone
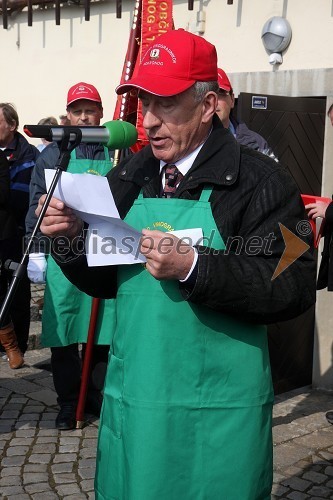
{"points": [[116, 134]]}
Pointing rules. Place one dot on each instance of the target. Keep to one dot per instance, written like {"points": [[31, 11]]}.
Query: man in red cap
{"points": [[66, 310], [241, 132], [188, 394]]}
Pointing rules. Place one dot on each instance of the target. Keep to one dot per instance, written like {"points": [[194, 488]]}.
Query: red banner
{"points": [[151, 19]]}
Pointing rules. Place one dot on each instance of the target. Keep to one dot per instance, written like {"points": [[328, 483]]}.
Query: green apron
{"points": [[66, 310], [188, 394]]}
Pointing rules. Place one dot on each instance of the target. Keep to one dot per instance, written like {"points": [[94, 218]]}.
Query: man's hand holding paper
{"points": [[109, 240]]}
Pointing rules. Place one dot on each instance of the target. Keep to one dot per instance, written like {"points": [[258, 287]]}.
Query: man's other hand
{"points": [[168, 257], [59, 220]]}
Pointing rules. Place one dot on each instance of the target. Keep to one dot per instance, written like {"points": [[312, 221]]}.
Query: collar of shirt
{"points": [[232, 128]]}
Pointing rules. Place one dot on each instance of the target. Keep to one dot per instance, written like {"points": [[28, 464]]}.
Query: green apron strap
{"points": [[107, 156], [140, 197], [205, 193]]}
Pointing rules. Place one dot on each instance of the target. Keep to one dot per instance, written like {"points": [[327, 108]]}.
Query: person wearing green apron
{"points": [[66, 310], [188, 397], [179, 373]]}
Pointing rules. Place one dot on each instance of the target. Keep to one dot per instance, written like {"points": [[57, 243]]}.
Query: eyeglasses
{"points": [[224, 93]]}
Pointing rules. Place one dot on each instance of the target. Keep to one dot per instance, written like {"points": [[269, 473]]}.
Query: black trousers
{"points": [[66, 370], [19, 310]]}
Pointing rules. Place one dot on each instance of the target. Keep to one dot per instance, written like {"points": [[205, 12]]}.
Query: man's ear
{"points": [[232, 97], [209, 106]]}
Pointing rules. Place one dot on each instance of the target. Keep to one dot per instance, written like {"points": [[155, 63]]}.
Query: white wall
{"points": [[40, 63]]}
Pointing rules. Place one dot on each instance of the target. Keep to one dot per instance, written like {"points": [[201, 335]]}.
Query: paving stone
{"points": [[297, 495], [25, 433], [17, 450], [87, 485], [295, 483], [86, 473], [286, 454], [40, 458], [21, 441], [68, 489], [10, 471], [69, 448], [320, 491], [278, 490], [47, 439], [65, 478], [315, 477], [8, 491], [329, 470], [34, 477], [38, 488], [88, 452], [63, 467], [69, 457], [10, 481], [35, 468], [41, 448], [90, 462], [315, 440], [12, 461], [68, 440]]}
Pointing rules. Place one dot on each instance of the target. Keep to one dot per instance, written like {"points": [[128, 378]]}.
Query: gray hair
{"points": [[200, 89], [49, 120], [10, 114]]}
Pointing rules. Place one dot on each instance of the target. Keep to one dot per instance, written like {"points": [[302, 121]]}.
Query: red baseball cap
{"points": [[224, 82], [83, 90], [173, 63]]}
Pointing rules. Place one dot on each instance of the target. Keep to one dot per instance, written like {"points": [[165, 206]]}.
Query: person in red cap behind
{"points": [[226, 104], [188, 393], [66, 310]]}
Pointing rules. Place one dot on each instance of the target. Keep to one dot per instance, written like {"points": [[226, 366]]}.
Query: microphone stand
{"points": [[66, 146]]}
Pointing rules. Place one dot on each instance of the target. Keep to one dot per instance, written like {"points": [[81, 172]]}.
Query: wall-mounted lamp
{"points": [[276, 36]]}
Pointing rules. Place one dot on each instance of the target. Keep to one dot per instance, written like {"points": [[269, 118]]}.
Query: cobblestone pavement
{"points": [[40, 462]]}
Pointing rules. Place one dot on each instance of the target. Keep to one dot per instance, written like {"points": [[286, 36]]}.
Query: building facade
{"points": [[40, 62]]}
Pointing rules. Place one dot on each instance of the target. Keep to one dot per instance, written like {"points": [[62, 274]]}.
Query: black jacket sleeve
{"points": [[4, 181], [255, 277]]}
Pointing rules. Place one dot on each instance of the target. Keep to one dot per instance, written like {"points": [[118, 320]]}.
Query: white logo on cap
{"points": [[155, 53]]}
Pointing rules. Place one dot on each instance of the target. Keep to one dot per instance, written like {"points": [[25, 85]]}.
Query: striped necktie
{"points": [[172, 179]]}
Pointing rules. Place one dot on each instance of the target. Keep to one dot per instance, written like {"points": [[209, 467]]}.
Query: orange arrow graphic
{"points": [[295, 247]]}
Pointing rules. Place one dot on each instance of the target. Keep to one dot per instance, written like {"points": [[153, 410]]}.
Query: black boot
{"points": [[66, 420]]}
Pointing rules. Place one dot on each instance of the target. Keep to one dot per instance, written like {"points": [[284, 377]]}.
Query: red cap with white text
{"points": [[173, 63], [224, 82], [83, 91]]}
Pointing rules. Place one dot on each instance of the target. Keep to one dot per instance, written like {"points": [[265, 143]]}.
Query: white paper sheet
{"points": [[109, 240]]}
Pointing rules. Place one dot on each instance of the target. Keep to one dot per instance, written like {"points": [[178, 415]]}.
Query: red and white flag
{"points": [[151, 18]]}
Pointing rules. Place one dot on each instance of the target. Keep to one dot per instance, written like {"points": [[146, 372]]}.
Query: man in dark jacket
{"points": [[8, 236], [22, 157], [241, 132], [66, 311], [188, 382]]}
